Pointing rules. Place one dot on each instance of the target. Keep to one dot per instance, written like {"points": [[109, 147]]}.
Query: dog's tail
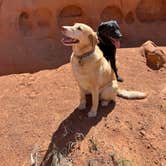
{"points": [[131, 94]]}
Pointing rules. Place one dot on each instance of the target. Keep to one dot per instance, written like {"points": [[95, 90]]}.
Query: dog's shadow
{"points": [[75, 126]]}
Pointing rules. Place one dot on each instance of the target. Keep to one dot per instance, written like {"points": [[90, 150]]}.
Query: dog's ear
{"points": [[93, 39]]}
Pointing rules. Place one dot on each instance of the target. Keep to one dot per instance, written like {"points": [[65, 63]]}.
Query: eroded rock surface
{"points": [[155, 56], [30, 30]]}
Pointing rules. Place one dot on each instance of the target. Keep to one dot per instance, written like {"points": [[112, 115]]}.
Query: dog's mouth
{"points": [[69, 40], [115, 42]]}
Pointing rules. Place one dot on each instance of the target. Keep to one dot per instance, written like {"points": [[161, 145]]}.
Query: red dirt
{"points": [[36, 107]]}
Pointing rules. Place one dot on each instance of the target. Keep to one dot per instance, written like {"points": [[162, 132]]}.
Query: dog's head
{"points": [[109, 32], [79, 34]]}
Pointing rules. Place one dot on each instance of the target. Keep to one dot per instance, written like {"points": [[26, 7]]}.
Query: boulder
{"points": [[155, 56]]}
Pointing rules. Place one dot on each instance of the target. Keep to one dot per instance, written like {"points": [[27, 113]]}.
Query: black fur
{"points": [[106, 32]]}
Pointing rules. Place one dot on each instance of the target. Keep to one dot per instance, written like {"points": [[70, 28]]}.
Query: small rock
{"points": [[142, 132], [162, 127], [156, 162], [92, 162], [148, 146], [107, 126], [117, 119]]}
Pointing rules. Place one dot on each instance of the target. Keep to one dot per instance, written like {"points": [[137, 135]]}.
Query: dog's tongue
{"points": [[67, 39], [116, 43]]}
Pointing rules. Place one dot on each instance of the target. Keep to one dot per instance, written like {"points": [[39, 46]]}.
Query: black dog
{"points": [[109, 35]]}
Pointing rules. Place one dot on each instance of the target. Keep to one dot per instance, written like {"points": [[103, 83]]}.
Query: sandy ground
{"points": [[39, 110]]}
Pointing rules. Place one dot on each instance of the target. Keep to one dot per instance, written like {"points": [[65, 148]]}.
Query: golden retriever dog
{"points": [[91, 70]]}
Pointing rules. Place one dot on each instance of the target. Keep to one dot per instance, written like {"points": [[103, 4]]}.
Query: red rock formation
{"points": [[30, 34], [151, 10], [155, 56], [112, 12]]}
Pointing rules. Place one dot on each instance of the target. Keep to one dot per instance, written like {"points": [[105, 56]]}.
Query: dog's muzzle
{"points": [[66, 39]]}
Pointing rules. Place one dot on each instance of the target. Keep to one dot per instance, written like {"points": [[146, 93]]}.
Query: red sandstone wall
{"points": [[30, 35]]}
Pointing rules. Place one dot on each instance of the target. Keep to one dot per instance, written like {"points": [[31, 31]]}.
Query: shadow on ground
{"points": [[75, 126]]}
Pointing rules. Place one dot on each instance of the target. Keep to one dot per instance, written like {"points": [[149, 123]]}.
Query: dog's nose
{"points": [[63, 28]]}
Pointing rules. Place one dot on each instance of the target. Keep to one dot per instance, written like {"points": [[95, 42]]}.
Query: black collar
{"points": [[83, 56]]}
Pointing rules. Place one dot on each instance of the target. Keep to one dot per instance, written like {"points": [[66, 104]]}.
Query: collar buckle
{"points": [[83, 56]]}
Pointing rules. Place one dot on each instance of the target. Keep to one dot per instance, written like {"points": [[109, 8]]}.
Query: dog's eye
{"points": [[112, 28], [79, 28]]}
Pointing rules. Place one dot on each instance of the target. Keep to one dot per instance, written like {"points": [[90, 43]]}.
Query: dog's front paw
{"points": [[104, 103], [92, 113], [82, 106], [120, 79]]}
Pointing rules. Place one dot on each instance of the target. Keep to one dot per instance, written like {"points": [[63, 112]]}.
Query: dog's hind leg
{"points": [[109, 93]]}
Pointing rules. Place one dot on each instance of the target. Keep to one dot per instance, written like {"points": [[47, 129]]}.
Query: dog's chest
{"points": [[81, 73]]}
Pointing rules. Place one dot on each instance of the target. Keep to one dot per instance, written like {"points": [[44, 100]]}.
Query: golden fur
{"points": [[91, 70]]}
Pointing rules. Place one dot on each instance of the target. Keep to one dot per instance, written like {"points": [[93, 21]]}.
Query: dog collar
{"points": [[83, 56]]}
